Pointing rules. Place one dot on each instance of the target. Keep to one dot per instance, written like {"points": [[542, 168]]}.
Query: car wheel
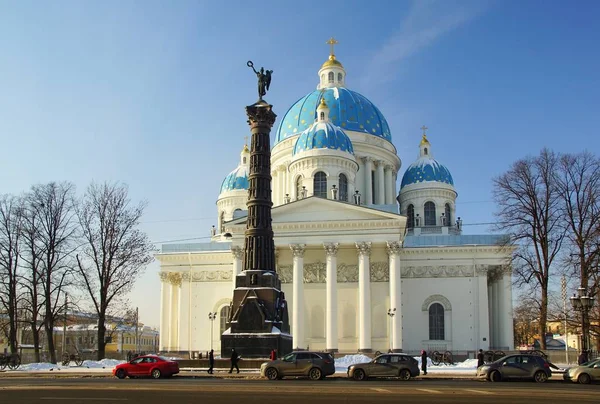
{"points": [[359, 374], [120, 374], [584, 378], [315, 374], [272, 374], [540, 377], [495, 376], [155, 373], [404, 374]]}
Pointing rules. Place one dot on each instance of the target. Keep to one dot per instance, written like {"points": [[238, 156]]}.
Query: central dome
{"points": [[348, 110]]}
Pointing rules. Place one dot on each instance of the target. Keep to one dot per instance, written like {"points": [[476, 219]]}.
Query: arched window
{"points": [[222, 230], [447, 211], [425, 151], [410, 216], [244, 160], [320, 185], [223, 317], [299, 188], [331, 77], [339, 77], [343, 193], [429, 214], [322, 116], [436, 322]]}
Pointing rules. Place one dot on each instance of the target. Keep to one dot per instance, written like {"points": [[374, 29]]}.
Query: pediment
{"points": [[315, 209]]}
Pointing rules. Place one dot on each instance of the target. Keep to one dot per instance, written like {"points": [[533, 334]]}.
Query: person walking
{"points": [[273, 355], [211, 361], [480, 358], [234, 360], [424, 361], [583, 358]]}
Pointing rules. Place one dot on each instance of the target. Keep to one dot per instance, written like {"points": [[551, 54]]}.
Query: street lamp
{"points": [[583, 303], [211, 316], [391, 313]]}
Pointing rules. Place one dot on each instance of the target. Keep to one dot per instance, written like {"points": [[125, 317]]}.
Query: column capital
{"points": [[298, 249], [394, 247], [237, 252], [364, 248], [174, 278], [331, 249], [380, 163], [367, 159], [389, 167]]}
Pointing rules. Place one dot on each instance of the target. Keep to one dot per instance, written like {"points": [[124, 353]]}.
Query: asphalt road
{"points": [[224, 391]]}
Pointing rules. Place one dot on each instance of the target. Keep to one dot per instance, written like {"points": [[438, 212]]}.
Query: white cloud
{"points": [[425, 22]]}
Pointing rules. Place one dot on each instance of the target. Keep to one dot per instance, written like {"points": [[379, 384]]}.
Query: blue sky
{"points": [[152, 93]]}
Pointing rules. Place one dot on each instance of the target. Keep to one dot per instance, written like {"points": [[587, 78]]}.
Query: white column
{"points": [[368, 194], [380, 184], [507, 327], [331, 290], [394, 248], [298, 296], [238, 253], [183, 341], [496, 311], [164, 312], [389, 186], [364, 297], [174, 307], [483, 311]]}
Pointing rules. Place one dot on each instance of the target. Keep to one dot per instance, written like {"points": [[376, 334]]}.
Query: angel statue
{"points": [[264, 79]]}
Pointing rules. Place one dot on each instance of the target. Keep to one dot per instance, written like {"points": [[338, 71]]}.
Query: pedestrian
{"points": [[583, 358], [424, 361], [272, 356], [211, 361], [480, 358], [234, 361]]}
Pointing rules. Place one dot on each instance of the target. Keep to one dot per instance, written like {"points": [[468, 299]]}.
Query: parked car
{"points": [[584, 374], [315, 365], [147, 365], [516, 367], [387, 365]]}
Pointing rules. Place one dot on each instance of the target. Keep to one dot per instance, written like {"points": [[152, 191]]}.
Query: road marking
{"points": [[479, 391], [381, 390], [85, 398], [430, 391]]}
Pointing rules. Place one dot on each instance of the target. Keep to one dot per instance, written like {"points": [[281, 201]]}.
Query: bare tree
{"points": [[525, 316], [579, 188], [116, 251], [11, 222], [51, 244], [529, 209]]}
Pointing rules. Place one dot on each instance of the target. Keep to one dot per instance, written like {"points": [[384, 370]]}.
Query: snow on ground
{"points": [[88, 366]]}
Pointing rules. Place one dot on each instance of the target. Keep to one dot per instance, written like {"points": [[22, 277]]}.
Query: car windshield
{"points": [[289, 357], [164, 359], [592, 363]]}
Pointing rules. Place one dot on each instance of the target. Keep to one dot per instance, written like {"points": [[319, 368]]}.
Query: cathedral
{"points": [[364, 266]]}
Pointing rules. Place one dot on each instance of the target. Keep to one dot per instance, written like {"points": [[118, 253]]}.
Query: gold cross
{"points": [[424, 128], [332, 42]]}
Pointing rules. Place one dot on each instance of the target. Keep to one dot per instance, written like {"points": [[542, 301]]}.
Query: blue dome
{"points": [[237, 179], [323, 135], [347, 109], [426, 169]]}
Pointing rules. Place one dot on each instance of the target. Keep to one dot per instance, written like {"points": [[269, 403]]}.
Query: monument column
{"points": [[331, 334], [238, 254], [380, 184], [298, 296], [368, 181], [364, 297], [394, 248]]}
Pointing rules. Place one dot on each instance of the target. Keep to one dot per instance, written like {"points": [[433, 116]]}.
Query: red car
{"points": [[147, 365]]}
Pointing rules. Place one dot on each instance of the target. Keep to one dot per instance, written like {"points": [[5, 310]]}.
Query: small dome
{"points": [[237, 179], [348, 110], [426, 169], [332, 61], [323, 135]]}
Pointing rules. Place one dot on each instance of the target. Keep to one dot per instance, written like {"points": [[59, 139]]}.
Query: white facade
{"points": [[345, 261]]}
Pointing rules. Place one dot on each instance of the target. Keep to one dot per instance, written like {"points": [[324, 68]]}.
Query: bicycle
{"points": [[68, 358], [13, 361], [445, 358], [492, 356]]}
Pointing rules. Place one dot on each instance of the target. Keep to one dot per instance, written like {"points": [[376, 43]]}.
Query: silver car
{"points": [[387, 365], [516, 367], [584, 374], [315, 365]]}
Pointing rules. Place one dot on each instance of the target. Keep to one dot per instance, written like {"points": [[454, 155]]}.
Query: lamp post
{"points": [[211, 316], [583, 302], [391, 313]]}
